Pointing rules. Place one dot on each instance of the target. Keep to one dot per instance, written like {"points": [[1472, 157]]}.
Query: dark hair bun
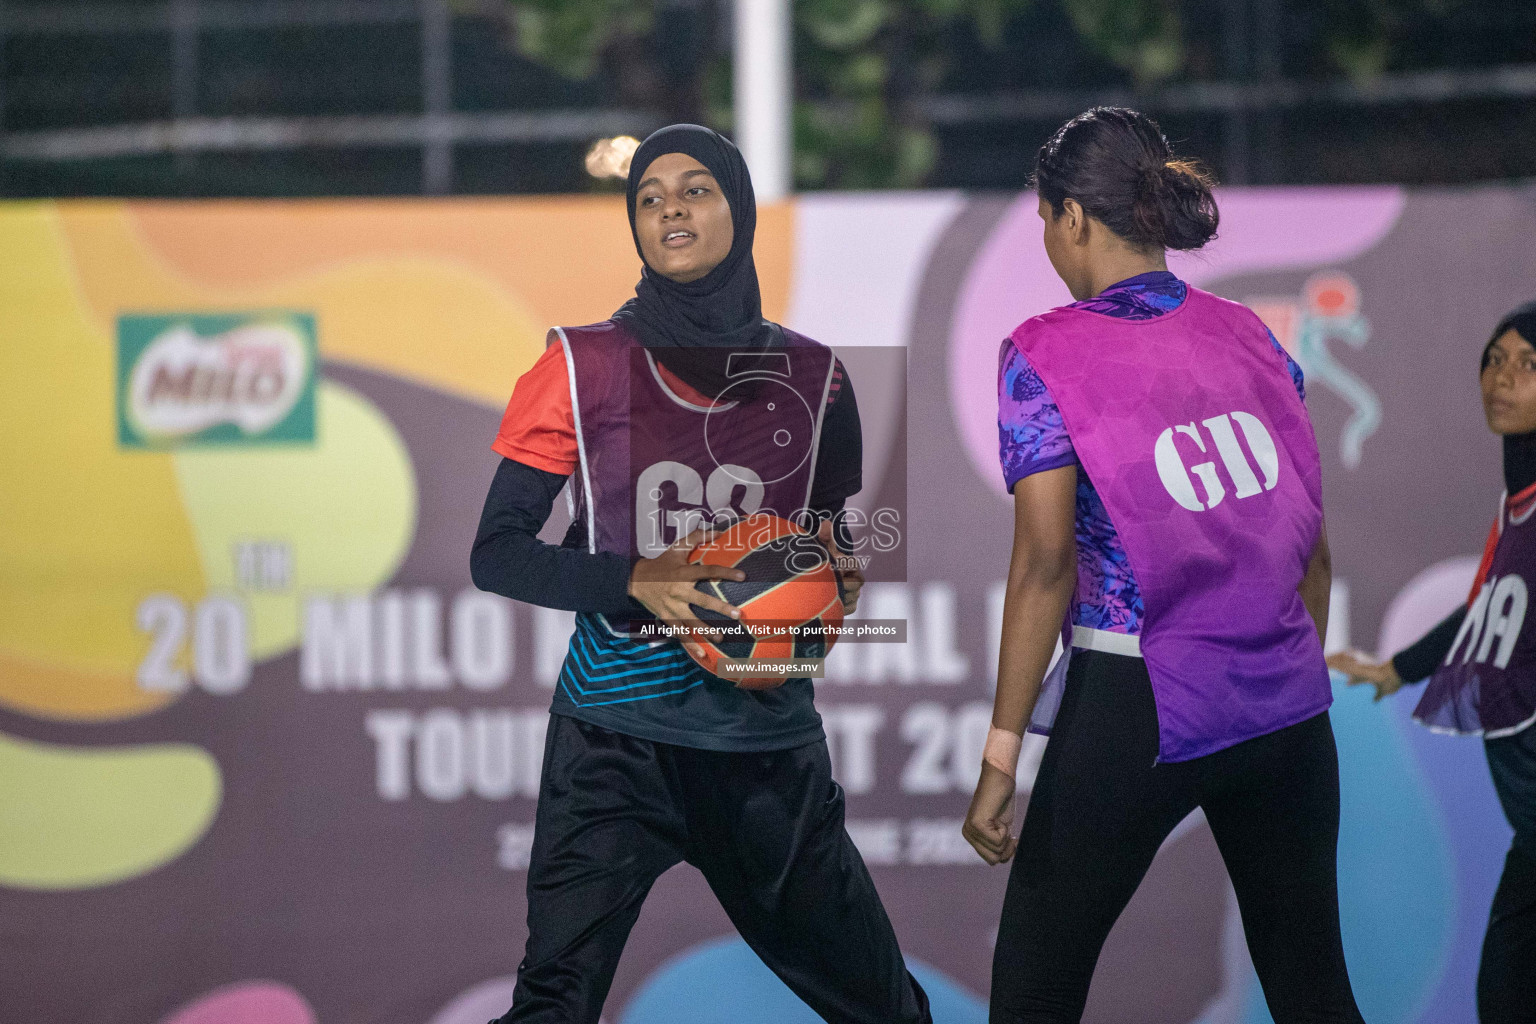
{"points": [[1174, 207], [1118, 165]]}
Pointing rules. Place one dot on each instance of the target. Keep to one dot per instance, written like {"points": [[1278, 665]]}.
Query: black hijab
{"points": [[693, 328], [1519, 449]]}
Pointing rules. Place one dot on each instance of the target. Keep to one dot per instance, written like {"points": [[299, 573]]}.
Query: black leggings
{"points": [[765, 829], [1101, 808]]}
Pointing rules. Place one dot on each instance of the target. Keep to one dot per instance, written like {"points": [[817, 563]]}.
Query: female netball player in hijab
{"points": [[1167, 507], [1481, 667], [650, 760]]}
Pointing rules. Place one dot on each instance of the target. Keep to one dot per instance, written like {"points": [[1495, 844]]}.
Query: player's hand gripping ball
{"points": [[790, 595]]}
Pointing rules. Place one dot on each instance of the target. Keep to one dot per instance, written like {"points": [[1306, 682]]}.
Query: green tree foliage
{"points": [[857, 64], [1141, 37], [860, 63], [572, 35]]}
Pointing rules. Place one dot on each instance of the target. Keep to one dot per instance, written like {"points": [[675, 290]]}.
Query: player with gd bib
{"points": [[1191, 569], [684, 405]]}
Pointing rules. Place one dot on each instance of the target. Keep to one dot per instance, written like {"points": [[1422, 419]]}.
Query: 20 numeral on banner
{"points": [[219, 634]]}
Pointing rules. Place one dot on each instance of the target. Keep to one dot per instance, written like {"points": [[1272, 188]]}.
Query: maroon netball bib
{"points": [[657, 460], [1487, 683]]}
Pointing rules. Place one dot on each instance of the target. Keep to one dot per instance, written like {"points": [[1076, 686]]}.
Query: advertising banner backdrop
{"points": [[267, 755]]}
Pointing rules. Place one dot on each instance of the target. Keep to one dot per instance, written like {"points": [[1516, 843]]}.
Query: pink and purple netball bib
{"points": [[1487, 683], [1192, 432], [656, 464]]}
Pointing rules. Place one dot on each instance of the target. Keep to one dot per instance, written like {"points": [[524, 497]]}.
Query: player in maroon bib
{"points": [[1486, 684], [685, 406], [1481, 666]]}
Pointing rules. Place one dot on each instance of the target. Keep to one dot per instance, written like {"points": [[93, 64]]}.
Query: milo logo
{"points": [[232, 379]]}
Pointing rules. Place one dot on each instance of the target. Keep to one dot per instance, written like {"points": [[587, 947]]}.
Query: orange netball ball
{"points": [[790, 594]]}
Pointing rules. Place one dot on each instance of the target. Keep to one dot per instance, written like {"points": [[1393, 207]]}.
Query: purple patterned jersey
{"points": [[1033, 439]]}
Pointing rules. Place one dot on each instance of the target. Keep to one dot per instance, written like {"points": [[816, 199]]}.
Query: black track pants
{"points": [[1101, 808], [766, 830], [1506, 979]]}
